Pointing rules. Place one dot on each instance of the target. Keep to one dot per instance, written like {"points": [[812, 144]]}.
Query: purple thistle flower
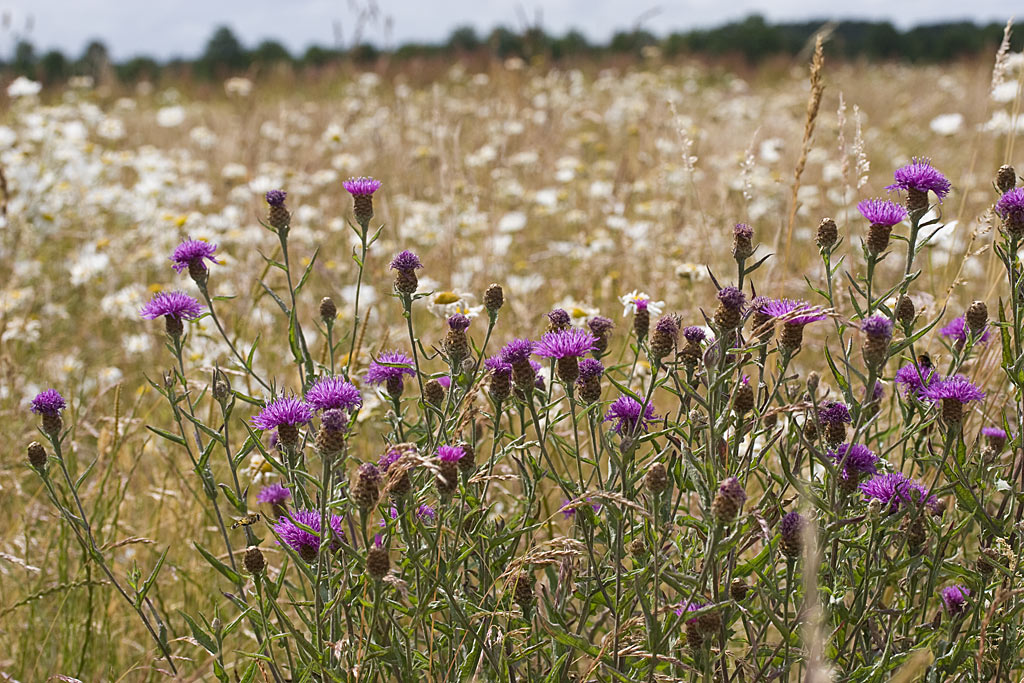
{"points": [[895, 489], [559, 317], [275, 494], [329, 393], [694, 334], [834, 412], [306, 544], [921, 176], [48, 402], [192, 252], [742, 230], [458, 322], [600, 325], [445, 381], [361, 186], [858, 458], [426, 513], [405, 261], [392, 514], [957, 331], [450, 453], [276, 197], [731, 297], [914, 379], [668, 325], [172, 304], [334, 420], [286, 410], [877, 327], [956, 387], [685, 608], [882, 212], [630, 415], [390, 364], [954, 598], [498, 366], [590, 368], [1010, 206], [878, 392], [993, 433], [388, 459], [792, 312], [517, 350], [572, 342]]}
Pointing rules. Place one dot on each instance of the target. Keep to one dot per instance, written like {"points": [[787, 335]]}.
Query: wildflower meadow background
{"points": [[662, 371]]}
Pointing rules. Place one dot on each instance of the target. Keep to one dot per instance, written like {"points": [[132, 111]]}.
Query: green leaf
{"points": [[307, 271], [173, 438], [228, 573], [203, 638], [152, 578]]}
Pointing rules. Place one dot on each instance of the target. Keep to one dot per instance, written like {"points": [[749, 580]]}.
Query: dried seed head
{"points": [[1006, 179], [656, 479], [637, 547], [328, 311], [253, 561], [37, 456], [522, 590], [977, 318], [828, 233]]}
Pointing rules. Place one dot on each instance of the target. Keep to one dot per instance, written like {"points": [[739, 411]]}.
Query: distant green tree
{"points": [[25, 60], [505, 43], [54, 67], [270, 52], [463, 39], [138, 69], [95, 61], [223, 55], [316, 55]]}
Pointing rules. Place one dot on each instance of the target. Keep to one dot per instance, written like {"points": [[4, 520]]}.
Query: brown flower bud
{"points": [[253, 560]]}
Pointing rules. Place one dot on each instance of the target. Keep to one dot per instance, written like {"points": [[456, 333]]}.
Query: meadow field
{"points": [[707, 503]]}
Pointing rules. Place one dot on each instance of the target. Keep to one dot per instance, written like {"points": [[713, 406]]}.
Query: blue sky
{"points": [[164, 28]]}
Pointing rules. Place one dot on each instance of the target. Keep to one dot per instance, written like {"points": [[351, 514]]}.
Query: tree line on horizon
{"points": [[751, 39]]}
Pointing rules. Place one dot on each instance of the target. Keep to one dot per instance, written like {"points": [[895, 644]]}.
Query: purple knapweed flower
{"points": [[742, 230], [1010, 206], [731, 297], [857, 458], [361, 186], [994, 433], [306, 544], [572, 342], [286, 410], [877, 327], [792, 312], [445, 381], [275, 494], [48, 402], [389, 365], [685, 608], [600, 325], [498, 366], [590, 368], [173, 305], [425, 513], [459, 322], [954, 598], [694, 334], [920, 176], [276, 197], [329, 393], [517, 350], [914, 379], [193, 253], [896, 489], [958, 332], [392, 514], [834, 412], [559, 317], [405, 261], [630, 416], [450, 453], [882, 212], [957, 387]]}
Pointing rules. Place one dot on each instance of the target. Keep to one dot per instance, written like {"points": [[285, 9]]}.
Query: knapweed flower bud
{"points": [[743, 400], [813, 379], [1006, 178], [691, 352], [221, 390], [729, 313], [405, 264], [641, 320], [728, 501], [467, 463], [500, 385], [558, 320], [328, 311], [738, 590], [434, 393], [656, 479], [878, 333], [377, 561], [447, 479], [456, 344], [637, 547], [365, 489], [589, 382], [253, 561], [977, 318], [494, 299], [1010, 208], [330, 438], [665, 337], [278, 216], [522, 590], [362, 190], [828, 233], [905, 312], [791, 535], [882, 214], [742, 246], [48, 404], [37, 456], [874, 509], [601, 328]]}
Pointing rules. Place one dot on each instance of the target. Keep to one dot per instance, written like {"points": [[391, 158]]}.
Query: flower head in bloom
{"points": [[792, 312], [497, 366], [994, 433], [590, 368], [954, 598], [834, 412], [877, 327], [450, 453], [956, 387], [743, 231], [1010, 206], [192, 252], [48, 402], [559, 318], [392, 514], [425, 513], [517, 351], [957, 331], [388, 365], [630, 415], [329, 393], [276, 197], [858, 458], [572, 342], [361, 186], [286, 410], [914, 379], [694, 334], [731, 297], [684, 608], [172, 304], [921, 176], [405, 261], [896, 489], [600, 325], [275, 494], [569, 507], [636, 300], [303, 542], [882, 212], [458, 322]]}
